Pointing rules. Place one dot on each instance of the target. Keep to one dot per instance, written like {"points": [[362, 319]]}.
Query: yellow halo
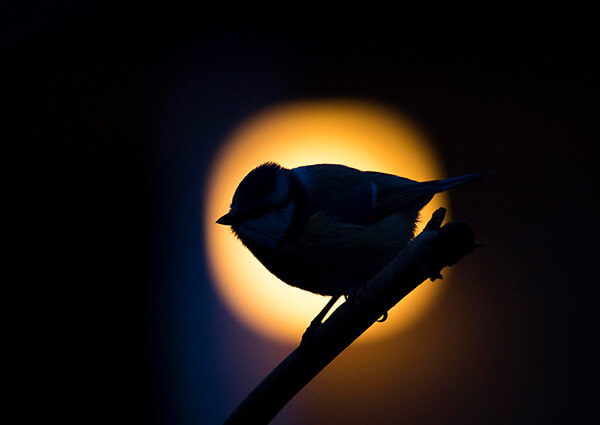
{"points": [[358, 134]]}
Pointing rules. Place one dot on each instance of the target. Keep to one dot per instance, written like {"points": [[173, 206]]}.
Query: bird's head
{"points": [[263, 207]]}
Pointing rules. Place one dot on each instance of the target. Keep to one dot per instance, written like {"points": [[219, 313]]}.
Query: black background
{"points": [[94, 93]]}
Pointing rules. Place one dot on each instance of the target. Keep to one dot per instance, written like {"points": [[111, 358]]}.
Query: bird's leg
{"points": [[317, 321]]}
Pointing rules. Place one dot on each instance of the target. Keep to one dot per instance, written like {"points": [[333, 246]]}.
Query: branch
{"points": [[431, 251]]}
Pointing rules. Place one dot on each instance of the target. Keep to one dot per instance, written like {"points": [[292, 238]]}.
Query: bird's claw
{"points": [[353, 294], [435, 276], [383, 318], [431, 273]]}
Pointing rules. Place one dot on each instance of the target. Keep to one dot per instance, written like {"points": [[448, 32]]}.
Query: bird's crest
{"points": [[259, 185]]}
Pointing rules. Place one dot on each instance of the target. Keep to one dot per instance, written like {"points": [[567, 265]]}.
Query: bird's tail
{"points": [[452, 182]]}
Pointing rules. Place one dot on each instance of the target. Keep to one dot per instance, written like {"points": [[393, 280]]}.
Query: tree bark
{"points": [[432, 250]]}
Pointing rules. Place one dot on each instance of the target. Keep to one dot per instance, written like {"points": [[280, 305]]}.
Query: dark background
{"points": [[115, 112]]}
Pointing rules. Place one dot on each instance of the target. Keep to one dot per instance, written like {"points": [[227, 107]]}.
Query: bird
{"points": [[328, 228]]}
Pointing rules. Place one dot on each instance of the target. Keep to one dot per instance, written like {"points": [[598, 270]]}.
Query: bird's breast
{"points": [[327, 256]]}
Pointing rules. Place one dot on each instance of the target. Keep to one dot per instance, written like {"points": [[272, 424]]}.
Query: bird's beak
{"points": [[226, 220]]}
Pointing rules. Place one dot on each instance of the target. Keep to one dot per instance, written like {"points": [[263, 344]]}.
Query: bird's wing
{"points": [[358, 197], [394, 193]]}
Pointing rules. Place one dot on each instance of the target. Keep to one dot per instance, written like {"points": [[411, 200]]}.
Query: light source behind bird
{"points": [[328, 228]]}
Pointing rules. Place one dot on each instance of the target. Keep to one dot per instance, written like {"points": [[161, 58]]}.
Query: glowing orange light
{"points": [[357, 134]]}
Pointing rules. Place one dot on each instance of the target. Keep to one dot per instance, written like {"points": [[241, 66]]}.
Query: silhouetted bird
{"points": [[328, 228]]}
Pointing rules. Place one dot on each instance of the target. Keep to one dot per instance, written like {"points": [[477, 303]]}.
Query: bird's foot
{"points": [[431, 272], [383, 318], [354, 293]]}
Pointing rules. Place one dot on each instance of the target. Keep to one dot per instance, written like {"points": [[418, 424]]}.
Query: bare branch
{"points": [[431, 251]]}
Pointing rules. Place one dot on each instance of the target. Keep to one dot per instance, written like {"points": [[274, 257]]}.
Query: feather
{"points": [[364, 197], [394, 193]]}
